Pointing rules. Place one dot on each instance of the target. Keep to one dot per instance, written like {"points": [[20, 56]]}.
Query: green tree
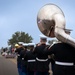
{"points": [[20, 37]]}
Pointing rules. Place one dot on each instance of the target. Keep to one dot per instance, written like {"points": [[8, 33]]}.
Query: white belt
{"points": [[22, 58], [18, 55], [41, 59], [31, 60], [64, 63]]}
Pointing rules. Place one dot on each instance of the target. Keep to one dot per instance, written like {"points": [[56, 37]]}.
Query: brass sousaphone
{"points": [[51, 22]]}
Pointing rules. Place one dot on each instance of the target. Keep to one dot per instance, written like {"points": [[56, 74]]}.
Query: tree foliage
{"points": [[20, 37]]}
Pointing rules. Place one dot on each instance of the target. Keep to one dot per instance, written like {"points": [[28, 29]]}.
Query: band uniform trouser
{"points": [[61, 68], [19, 66], [42, 67], [24, 67], [31, 67]]}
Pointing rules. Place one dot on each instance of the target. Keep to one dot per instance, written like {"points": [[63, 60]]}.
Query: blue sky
{"points": [[21, 15]]}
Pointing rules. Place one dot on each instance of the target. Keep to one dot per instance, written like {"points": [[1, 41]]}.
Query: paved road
{"points": [[7, 67]]}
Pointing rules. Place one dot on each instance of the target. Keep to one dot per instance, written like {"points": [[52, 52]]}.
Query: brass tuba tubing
{"points": [[51, 22]]}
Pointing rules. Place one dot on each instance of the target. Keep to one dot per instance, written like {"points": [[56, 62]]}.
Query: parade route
{"points": [[8, 66], [13, 60]]}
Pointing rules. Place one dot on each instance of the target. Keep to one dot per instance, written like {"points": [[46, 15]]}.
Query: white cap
{"points": [[68, 31], [20, 43], [31, 44], [47, 43], [42, 37], [25, 44]]}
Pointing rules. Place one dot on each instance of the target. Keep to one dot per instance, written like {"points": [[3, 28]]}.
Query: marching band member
{"points": [[18, 50], [23, 62], [42, 66], [64, 58], [31, 60]]}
